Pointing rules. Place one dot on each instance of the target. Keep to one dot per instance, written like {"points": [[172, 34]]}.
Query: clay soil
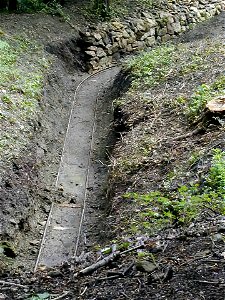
{"points": [[190, 265]]}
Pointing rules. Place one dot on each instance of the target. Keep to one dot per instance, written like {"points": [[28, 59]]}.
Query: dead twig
{"points": [[210, 282], [183, 136], [61, 296], [109, 277], [193, 260], [97, 265], [82, 293], [105, 261], [13, 284]]}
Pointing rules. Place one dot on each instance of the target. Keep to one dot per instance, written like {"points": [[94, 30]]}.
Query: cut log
{"points": [[217, 104]]}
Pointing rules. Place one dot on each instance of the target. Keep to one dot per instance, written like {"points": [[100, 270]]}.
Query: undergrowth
{"points": [[22, 69], [159, 209], [169, 60], [203, 94]]}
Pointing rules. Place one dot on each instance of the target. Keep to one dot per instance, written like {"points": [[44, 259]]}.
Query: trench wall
{"points": [[103, 44]]}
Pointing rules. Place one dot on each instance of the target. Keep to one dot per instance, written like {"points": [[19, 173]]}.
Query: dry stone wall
{"points": [[103, 44]]}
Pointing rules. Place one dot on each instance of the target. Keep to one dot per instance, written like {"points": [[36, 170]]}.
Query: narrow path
{"points": [[63, 229]]}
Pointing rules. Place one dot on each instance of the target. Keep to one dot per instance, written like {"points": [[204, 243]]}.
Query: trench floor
{"points": [[63, 237]]}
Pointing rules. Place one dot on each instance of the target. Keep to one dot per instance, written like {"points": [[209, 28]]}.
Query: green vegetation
{"points": [[168, 60], [159, 209], [40, 296], [105, 9], [204, 94], [149, 68], [21, 83], [28, 5]]}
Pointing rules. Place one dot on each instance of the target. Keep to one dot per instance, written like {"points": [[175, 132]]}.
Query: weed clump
{"points": [[162, 209], [203, 94]]}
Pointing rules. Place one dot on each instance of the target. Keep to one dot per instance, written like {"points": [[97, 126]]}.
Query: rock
{"points": [[151, 32], [124, 43], [140, 26], [115, 47], [125, 34], [145, 266], [166, 38], [13, 221], [117, 25], [103, 61], [151, 22], [100, 53], [91, 53], [106, 40], [93, 65], [34, 242], [92, 48], [141, 45], [97, 36], [2, 296], [162, 31], [150, 41], [176, 27], [218, 238], [116, 56], [55, 273]]}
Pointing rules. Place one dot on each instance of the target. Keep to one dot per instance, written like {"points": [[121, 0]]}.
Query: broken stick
{"points": [[105, 261]]}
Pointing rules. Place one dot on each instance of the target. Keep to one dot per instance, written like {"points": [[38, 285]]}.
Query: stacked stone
{"points": [[105, 43]]}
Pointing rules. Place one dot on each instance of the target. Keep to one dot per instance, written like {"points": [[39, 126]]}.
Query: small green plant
{"points": [[159, 209], [198, 100], [216, 177], [203, 94], [150, 68], [40, 296]]}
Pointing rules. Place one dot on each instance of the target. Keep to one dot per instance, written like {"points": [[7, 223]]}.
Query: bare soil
{"points": [[190, 260]]}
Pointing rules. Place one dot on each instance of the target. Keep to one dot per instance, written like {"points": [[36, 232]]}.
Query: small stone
{"points": [[97, 36], [92, 48], [218, 238], [176, 27], [146, 266], [34, 242], [166, 38], [13, 221], [55, 273], [42, 223], [91, 53], [150, 41], [117, 25], [151, 32], [2, 296], [100, 53]]}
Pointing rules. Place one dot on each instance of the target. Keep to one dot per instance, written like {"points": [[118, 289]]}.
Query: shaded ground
{"points": [[190, 261]]}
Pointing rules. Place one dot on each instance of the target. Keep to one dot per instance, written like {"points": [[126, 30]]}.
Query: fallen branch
{"points": [[98, 264], [105, 261]]}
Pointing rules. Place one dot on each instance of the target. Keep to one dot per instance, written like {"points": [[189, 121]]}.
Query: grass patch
{"points": [[150, 68], [162, 209], [22, 69], [168, 61]]}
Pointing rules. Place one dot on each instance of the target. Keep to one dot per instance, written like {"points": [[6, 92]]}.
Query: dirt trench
{"points": [[28, 184]]}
